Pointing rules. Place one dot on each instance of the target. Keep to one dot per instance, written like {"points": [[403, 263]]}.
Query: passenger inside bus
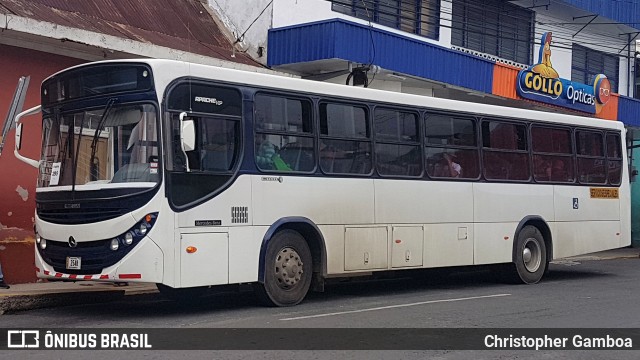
{"points": [[541, 168], [447, 166], [265, 152], [559, 171], [454, 168], [267, 157]]}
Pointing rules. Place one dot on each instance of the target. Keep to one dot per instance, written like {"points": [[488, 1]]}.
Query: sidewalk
{"points": [[58, 293], [621, 253], [50, 294]]}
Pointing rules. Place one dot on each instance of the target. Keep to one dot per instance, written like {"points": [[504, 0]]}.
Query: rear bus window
{"points": [[614, 159], [591, 159]]}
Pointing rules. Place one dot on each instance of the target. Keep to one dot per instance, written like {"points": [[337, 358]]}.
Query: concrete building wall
{"points": [[237, 17], [17, 179]]}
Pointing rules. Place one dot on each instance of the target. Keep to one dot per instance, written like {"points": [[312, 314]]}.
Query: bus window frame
{"points": [[369, 139], [483, 149], [167, 120], [477, 148], [312, 134], [571, 155], [416, 143], [602, 133], [618, 136]]}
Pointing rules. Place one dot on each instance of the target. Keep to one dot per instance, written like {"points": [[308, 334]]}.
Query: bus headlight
{"points": [[43, 243], [128, 238], [135, 233], [38, 238], [143, 228], [115, 244]]}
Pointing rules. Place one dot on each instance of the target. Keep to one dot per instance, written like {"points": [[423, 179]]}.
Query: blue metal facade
{"points": [[623, 11], [340, 39], [629, 111]]}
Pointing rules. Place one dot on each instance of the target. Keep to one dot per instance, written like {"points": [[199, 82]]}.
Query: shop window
{"points": [[494, 27], [587, 63], [420, 17]]}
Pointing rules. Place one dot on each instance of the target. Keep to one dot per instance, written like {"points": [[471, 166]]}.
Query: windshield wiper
{"points": [[93, 168], [75, 157]]}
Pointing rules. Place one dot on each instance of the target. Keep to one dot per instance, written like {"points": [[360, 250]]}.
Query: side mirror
{"points": [[18, 145], [19, 137], [187, 136]]}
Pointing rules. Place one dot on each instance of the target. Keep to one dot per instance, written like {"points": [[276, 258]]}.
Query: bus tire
{"points": [[287, 272], [530, 257]]}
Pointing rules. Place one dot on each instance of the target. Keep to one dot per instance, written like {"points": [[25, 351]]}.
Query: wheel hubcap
{"points": [[531, 255], [288, 268]]}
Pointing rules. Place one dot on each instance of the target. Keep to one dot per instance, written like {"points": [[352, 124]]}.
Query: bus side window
{"points": [[346, 129], [284, 134], [451, 150]]}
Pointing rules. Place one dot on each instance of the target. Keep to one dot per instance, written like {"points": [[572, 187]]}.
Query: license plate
{"points": [[73, 263]]}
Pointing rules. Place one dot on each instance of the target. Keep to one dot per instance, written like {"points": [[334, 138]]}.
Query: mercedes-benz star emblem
{"points": [[72, 242]]}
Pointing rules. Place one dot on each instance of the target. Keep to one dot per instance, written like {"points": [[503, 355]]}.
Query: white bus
{"points": [[192, 176]]}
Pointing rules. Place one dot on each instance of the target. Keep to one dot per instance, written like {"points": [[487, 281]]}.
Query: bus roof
{"points": [[166, 71]]}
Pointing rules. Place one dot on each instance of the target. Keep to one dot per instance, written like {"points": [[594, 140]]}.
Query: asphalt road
{"points": [[587, 294]]}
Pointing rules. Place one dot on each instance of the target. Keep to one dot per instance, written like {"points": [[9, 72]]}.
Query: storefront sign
{"points": [[541, 82]]}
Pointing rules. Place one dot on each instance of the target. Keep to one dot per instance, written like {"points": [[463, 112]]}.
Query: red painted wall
{"points": [[17, 206]]}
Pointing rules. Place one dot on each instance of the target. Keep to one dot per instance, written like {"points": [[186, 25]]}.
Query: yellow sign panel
{"points": [[604, 193]]}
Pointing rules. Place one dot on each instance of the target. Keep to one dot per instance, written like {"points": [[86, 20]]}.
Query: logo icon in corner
{"points": [[20, 339], [72, 242]]}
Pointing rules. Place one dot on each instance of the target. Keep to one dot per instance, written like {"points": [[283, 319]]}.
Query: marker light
{"points": [[128, 238], [191, 249], [115, 244]]}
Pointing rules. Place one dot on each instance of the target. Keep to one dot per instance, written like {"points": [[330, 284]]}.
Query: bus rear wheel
{"points": [[287, 272], [531, 256]]}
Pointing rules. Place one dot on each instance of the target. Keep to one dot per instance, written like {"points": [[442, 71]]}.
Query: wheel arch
{"points": [[542, 225], [311, 234]]}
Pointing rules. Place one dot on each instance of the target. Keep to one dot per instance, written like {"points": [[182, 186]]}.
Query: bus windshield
{"points": [[114, 145]]}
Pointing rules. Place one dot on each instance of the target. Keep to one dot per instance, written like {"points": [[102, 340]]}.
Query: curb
{"points": [[22, 302], [14, 303], [596, 258]]}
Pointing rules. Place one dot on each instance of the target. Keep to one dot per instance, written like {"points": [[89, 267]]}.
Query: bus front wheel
{"points": [[530, 257], [287, 272]]}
